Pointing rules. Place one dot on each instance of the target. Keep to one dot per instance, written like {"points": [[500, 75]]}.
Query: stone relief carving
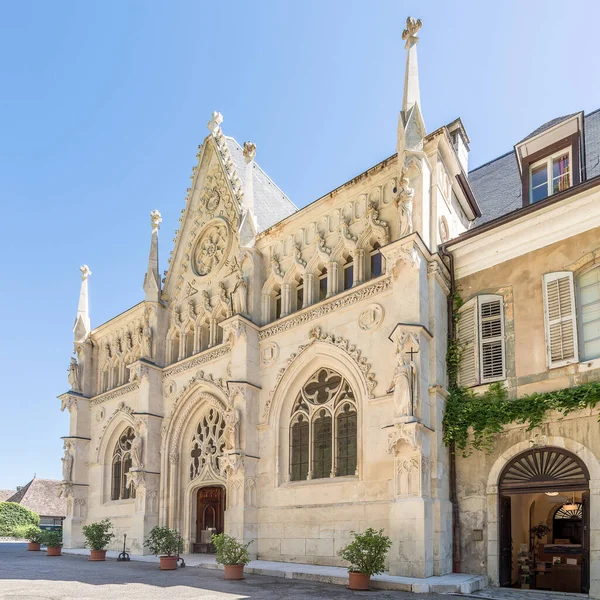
{"points": [[325, 308], [408, 476], [200, 359], [403, 433], [269, 354], [405, 206], [68, 402], [207, 446], [211, 248], [371, 317], [378, 226], [444, 230], [74, 375]]}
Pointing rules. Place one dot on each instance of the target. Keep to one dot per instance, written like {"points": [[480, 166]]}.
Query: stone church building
{"points": [[286, 381]]}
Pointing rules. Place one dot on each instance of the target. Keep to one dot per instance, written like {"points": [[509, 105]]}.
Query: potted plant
{"points": [[231, 554], [53, 542], [366, 555], [32, 533], [97, 537], [166, 544]]}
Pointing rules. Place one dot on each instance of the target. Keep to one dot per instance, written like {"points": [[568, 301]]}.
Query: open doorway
{"points": [[544, 522], [210, 516]]}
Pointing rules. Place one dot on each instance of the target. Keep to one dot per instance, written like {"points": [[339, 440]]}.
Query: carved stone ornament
{"points": [[402, 433], [230, 464], [371, 317], [155, 220], [269, 354], [211, 248], [67, 462], [412, 28], [444, 230], [405, 206], [68, 402]]}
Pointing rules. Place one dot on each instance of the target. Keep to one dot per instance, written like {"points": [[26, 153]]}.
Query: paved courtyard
{"points": [[34, 576]]}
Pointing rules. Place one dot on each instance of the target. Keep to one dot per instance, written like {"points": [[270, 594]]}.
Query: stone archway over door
{"points": [[546, 469]]}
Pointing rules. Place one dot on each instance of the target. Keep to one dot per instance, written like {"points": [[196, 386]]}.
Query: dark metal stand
{"points": [[124, 556], [182, 565]]}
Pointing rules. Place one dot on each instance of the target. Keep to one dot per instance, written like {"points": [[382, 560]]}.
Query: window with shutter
{"points": [[491, 338], [468, 372], [561, 327]]}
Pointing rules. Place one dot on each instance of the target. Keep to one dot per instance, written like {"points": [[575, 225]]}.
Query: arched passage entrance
{"points": [[531, 555]]}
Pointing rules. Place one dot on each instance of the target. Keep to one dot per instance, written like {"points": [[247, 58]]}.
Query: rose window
{"points": [[211, 248]]}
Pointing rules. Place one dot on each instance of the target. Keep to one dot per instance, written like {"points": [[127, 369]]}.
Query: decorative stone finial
{"points": [[412, 28], [85, 272], [249, 151], [156, 220], [215, 121]]}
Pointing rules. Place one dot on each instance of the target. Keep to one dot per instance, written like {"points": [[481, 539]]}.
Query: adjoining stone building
{"points": [[286, 381]]}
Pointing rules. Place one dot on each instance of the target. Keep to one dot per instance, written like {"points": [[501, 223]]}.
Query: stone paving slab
{"points": [[462, 583]]}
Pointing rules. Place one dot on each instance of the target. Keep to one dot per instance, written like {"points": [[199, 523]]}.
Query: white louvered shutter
{"points": [[561, 324], [491, 338], [468, 372]]}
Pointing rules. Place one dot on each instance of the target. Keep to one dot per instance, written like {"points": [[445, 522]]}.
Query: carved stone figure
{"points": [[155, 220], [137, 447], [146, 338], [403, 383], [74, 375], [67, 464], [206, 302], [405, 206], [240, 294], [225, 298], [232, 419]]}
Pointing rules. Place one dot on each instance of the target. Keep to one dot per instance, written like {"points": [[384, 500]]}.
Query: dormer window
{"points": [[550, 175]]}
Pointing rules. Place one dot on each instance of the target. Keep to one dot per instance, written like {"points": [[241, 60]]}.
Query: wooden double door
{"points": [[210, 514]]}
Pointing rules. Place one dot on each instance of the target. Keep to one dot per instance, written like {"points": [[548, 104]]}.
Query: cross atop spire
{"points": [[412, 94], [152, 278], [82, 327]]}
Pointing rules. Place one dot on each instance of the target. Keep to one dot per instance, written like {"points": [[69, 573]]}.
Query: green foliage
{"points": [[52, 539], [98, 535], [366, 554], [540, 530], [229, 550], [12, 515], [164, 541], [472, 421], [31, 533]]}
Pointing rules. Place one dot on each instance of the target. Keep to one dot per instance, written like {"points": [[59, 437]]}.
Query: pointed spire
{"points": [[82, 326], [152, 278], [412, 94]]}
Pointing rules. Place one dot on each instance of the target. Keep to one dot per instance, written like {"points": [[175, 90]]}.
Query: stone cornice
{"points": [[198, 359], [116, 393], [316, 311]]}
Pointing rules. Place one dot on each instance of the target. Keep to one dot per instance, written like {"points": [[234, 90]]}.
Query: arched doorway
{"points": [[532, 553], [210, 515]]}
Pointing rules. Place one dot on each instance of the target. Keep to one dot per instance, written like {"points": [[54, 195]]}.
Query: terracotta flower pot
{"points": [[97, 555], [234, 572], [168, 563], [33, 546], [359, 581], [54, 551]]}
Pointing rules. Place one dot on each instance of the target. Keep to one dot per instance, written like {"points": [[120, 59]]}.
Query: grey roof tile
{"points": [[497, 184], [41, 496], [271, 205], [6, 494]]}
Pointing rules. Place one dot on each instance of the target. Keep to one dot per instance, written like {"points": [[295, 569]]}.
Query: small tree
{"points": [[98, 535], [164, 541], [12, 515], [52, 539], [229, 550], [31, 533], [366, 554]]}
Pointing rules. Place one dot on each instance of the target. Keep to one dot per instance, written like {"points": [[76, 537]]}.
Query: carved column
{"points": [[309, 282], [332, 279], [359, 266], [266, 308], [212, 340], [286, 299], [181, 354]]}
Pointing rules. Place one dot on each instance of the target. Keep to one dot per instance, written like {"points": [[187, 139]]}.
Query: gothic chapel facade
{"points": [[286, 381]]}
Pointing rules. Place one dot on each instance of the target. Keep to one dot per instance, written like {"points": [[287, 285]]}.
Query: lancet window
{"points": [[121, 488], [323, 428]]}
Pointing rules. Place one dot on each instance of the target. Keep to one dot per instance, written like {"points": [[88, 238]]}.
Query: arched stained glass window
{"points": [[121, 489], [323, 428]]}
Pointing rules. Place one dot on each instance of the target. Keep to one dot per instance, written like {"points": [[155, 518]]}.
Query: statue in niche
{"points": [[146, 338], [74, 375], [137, 446], [404, 381], [405, 206], [224, 298], [240, 294], [232, 437], [67, 464]]}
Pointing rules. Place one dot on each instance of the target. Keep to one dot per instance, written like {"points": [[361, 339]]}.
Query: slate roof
{"points": [[271, 205], [41, 496], [497, 184], [6, 494]]}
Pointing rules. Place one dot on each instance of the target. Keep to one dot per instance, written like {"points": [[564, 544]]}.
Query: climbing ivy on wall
{"points": [[472, 421]]}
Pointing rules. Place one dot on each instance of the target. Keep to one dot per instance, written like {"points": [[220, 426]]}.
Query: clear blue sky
{"points": [[103, 105]]}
